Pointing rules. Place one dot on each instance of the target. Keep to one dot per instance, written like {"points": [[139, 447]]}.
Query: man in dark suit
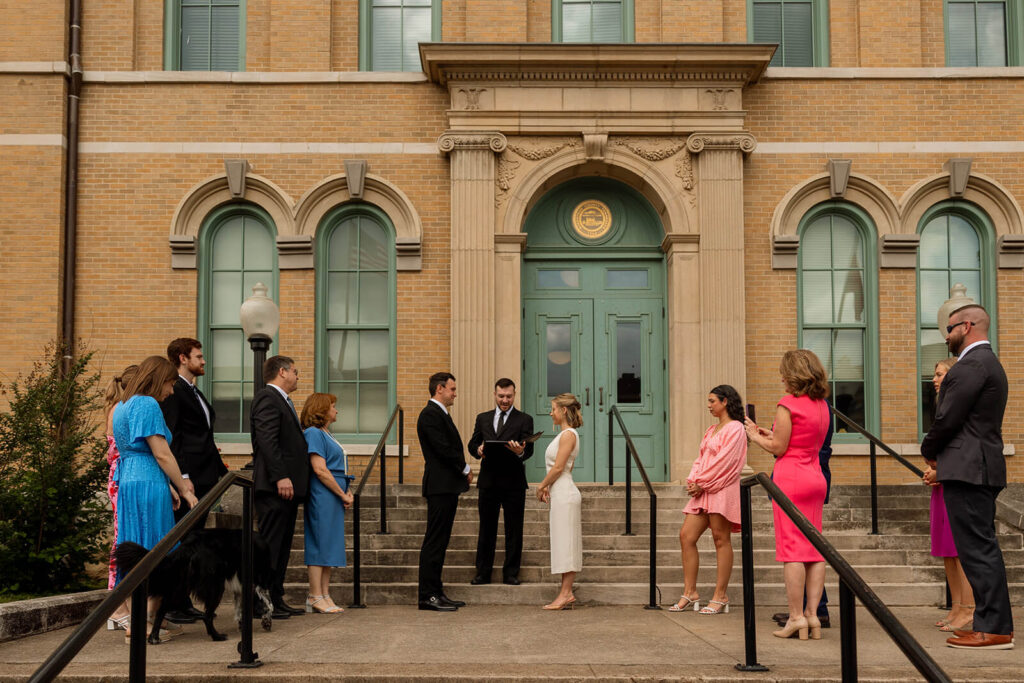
{"points": [[281, 469], [445, 476], [190, 418], [965, 445], [502, 481]]}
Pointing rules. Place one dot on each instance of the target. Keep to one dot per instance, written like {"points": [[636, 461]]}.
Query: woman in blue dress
{"points": [[326, 503], [150, 485]]}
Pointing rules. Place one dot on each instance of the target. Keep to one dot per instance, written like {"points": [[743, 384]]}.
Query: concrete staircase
{"points": [[896, 563]]}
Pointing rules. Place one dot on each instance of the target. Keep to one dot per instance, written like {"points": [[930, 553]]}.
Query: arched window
{"points": [[837, 302], [956, 246], [356, 318], [237, 252]]}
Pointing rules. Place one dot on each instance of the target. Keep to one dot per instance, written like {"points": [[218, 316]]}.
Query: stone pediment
{"points": [[536, 88]]}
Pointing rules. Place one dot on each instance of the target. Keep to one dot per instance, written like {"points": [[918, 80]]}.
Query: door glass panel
{"points": [[627, 351], [558, 279], [626, 279], [559, 358]]}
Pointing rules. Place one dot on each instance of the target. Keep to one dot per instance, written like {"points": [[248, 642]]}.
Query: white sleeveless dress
{"points": [[566, 518]]}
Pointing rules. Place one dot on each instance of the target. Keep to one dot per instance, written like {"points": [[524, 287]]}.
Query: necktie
{"points": [[501, 422], [292, 406], [202, 404]]}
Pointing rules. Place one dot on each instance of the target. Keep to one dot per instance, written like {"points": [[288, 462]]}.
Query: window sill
{"points": [[944, 72], [907, 450], [254, 77]]}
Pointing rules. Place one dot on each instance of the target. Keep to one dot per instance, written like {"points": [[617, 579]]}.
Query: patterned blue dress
{"points": [[144, 508], [324, 511]]}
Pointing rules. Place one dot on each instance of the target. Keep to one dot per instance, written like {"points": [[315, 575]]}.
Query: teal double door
{"points": [[596, 328]]}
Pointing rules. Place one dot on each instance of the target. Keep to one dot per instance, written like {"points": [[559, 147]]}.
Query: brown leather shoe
{"points": [[961, 632], [982, 641]]}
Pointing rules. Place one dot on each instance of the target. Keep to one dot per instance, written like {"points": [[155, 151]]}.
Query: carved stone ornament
{"points": [[503, 175], [684, 171], [651, 149], [698, 142], [471, 97], [719, 98], [449, 142], [535, 150]]}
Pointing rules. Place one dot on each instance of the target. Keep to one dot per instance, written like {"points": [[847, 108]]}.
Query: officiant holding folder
{"points": [[502, 441]]}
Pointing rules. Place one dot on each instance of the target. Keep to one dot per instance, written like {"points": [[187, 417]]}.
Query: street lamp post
{"points": [[260, 319]]}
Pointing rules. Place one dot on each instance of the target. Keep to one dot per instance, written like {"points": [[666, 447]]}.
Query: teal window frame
{"points": [[204, 326], [332, 221], [982, 225], [172, 35], [819, 28], [1014, 29], [628, 22], [862, 221], [366, 31]]}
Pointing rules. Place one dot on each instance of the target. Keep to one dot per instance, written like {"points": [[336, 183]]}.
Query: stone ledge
{"points": [[254, 77], [942, 73], [1010, 506], [905, 449], [39, 615]]}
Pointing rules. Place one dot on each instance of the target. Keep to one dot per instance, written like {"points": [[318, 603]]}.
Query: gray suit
{"points": [[967, 444]]}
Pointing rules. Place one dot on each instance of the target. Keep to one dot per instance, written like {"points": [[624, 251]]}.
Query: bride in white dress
{"points": [[559, 490]]}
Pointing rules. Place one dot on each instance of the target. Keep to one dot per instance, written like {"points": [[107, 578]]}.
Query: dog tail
{"points": [[128, 555]]}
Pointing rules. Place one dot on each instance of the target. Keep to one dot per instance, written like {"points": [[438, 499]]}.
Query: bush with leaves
{"points": [[53, 517]]}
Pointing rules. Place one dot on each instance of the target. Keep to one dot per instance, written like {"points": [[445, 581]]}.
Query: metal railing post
{"points": [[611, 449], [747, 545], [140, 628], [357, 598], [874, 491], [383, 486], [248, 659], [652, 600], [629, 493], [848, 632], [401, 445]]}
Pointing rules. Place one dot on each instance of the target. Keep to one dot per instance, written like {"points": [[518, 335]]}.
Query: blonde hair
{"points": [[803, 373], [117, 384], [946, 363], [151, 376], [314, 411], [571, 405]]}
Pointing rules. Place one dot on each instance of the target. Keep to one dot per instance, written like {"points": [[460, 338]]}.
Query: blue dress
{"points": [[324, 511], [144, 509]]}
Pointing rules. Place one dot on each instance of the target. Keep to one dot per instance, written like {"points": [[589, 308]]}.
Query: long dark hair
{"points": [[733, 402]]}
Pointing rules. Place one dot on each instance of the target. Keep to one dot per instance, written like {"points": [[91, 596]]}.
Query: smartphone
{"points": [[751, 412]]}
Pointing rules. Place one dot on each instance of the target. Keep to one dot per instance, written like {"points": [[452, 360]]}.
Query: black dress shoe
{"points": [[781, 618], [825, 621], [479, 580], [197, 613], [279, 613], [434, 603], [448, 601], [180, 617], [511, 581], [285, 607]]}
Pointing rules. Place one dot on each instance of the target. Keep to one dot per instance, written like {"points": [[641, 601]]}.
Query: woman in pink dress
{"points": [[714, 488], [960, 592], [801, 422], [115, 390]]}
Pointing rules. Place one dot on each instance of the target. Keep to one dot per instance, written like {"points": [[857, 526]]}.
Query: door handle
{"points": [[586, 401], [600, 396]]}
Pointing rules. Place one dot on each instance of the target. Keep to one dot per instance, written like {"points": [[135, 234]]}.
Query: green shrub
{"points": [[53, 514]]}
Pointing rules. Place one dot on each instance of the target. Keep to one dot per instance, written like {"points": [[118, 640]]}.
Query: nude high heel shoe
{"points": [[814, 626], [799, 625]]}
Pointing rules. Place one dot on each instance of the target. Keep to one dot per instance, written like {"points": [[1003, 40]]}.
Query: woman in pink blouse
{"points": [[714, 488]]}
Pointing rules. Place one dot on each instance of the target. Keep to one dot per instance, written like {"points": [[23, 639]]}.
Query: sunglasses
{"points": [[950, 328]]}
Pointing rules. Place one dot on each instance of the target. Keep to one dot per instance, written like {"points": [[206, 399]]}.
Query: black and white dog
{"points": [[204, 564]]}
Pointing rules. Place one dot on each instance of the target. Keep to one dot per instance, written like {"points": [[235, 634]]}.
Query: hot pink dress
{"points": [[942, 533], [112, 458], [717, 471], [798, 473]]}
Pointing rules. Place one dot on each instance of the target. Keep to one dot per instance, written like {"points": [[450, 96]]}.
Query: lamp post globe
{"points": [[260, 319]]}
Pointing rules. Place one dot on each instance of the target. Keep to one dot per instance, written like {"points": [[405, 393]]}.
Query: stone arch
{"points": [[861, 190], [991, 197], [334, 191]]}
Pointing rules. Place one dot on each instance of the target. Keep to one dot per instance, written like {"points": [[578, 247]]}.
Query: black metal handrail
{"points": [[136, 582], [379, 452], [631, 453], [851, 585], [875, 443]]}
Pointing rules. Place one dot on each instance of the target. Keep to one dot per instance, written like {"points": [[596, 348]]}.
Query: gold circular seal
{"points": [[592, 219]]}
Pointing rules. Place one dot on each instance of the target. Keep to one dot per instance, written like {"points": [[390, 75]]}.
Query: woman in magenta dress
{"points": [[960, 592], [714, 488], [801, 422]]}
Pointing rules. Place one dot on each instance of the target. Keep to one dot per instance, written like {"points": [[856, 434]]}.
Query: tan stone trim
{"points": [[676, 242], [827, 73], [333, 191], [510, 243], [32, 140], [252, 77], [450, 141], [906, 147], [698, 142], [34, 68], [904, 449], [251, 148]]}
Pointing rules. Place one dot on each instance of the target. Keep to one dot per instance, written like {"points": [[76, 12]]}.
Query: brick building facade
{"points": [[445, 171]]}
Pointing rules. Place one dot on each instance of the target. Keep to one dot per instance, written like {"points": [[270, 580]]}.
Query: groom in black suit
{"points": [[445, 476], [280, 469], [502, 481], [965, 445]]}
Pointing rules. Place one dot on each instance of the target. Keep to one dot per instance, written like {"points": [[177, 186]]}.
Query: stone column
{"points": [[508, 352], [472, 269], [722, 280]]}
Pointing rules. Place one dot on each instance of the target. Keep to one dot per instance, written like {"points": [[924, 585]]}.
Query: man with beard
{"points": [[965, 445]]}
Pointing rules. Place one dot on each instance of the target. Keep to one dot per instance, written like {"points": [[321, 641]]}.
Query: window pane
{"points": [[558, 279], [227, 403], [927, 404], [373, 298], [416, 30], [607, 22], [820, 341], [343, 355], [848, 355], [225, 298], [971, 279], [228, 354], [816, 300], [768, 27], [816, 245], [848, 398], [224, 50], [627, 349], [386, 49], [559, 358], [964, 246], [933, 248], [797, 42], [227, 245], [250, 280], [373, 407], [374, 350], [934, 292], [933, 349], [347, 407], [626, 279], [342, 254], [575, 23], [991, 34], [962, 49], [849, 292], [846, 244], [259, 247], [195, 38], [373, 247], [341, 298]]}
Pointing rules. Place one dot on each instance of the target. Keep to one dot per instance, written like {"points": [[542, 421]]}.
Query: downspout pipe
{"points": [[70, 234]]}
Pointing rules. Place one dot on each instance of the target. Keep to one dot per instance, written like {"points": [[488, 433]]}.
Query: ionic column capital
{"points": [[451, 141], [741, 141]]}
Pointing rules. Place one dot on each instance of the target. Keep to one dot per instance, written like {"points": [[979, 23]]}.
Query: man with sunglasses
{"points": [[965, 445]]}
